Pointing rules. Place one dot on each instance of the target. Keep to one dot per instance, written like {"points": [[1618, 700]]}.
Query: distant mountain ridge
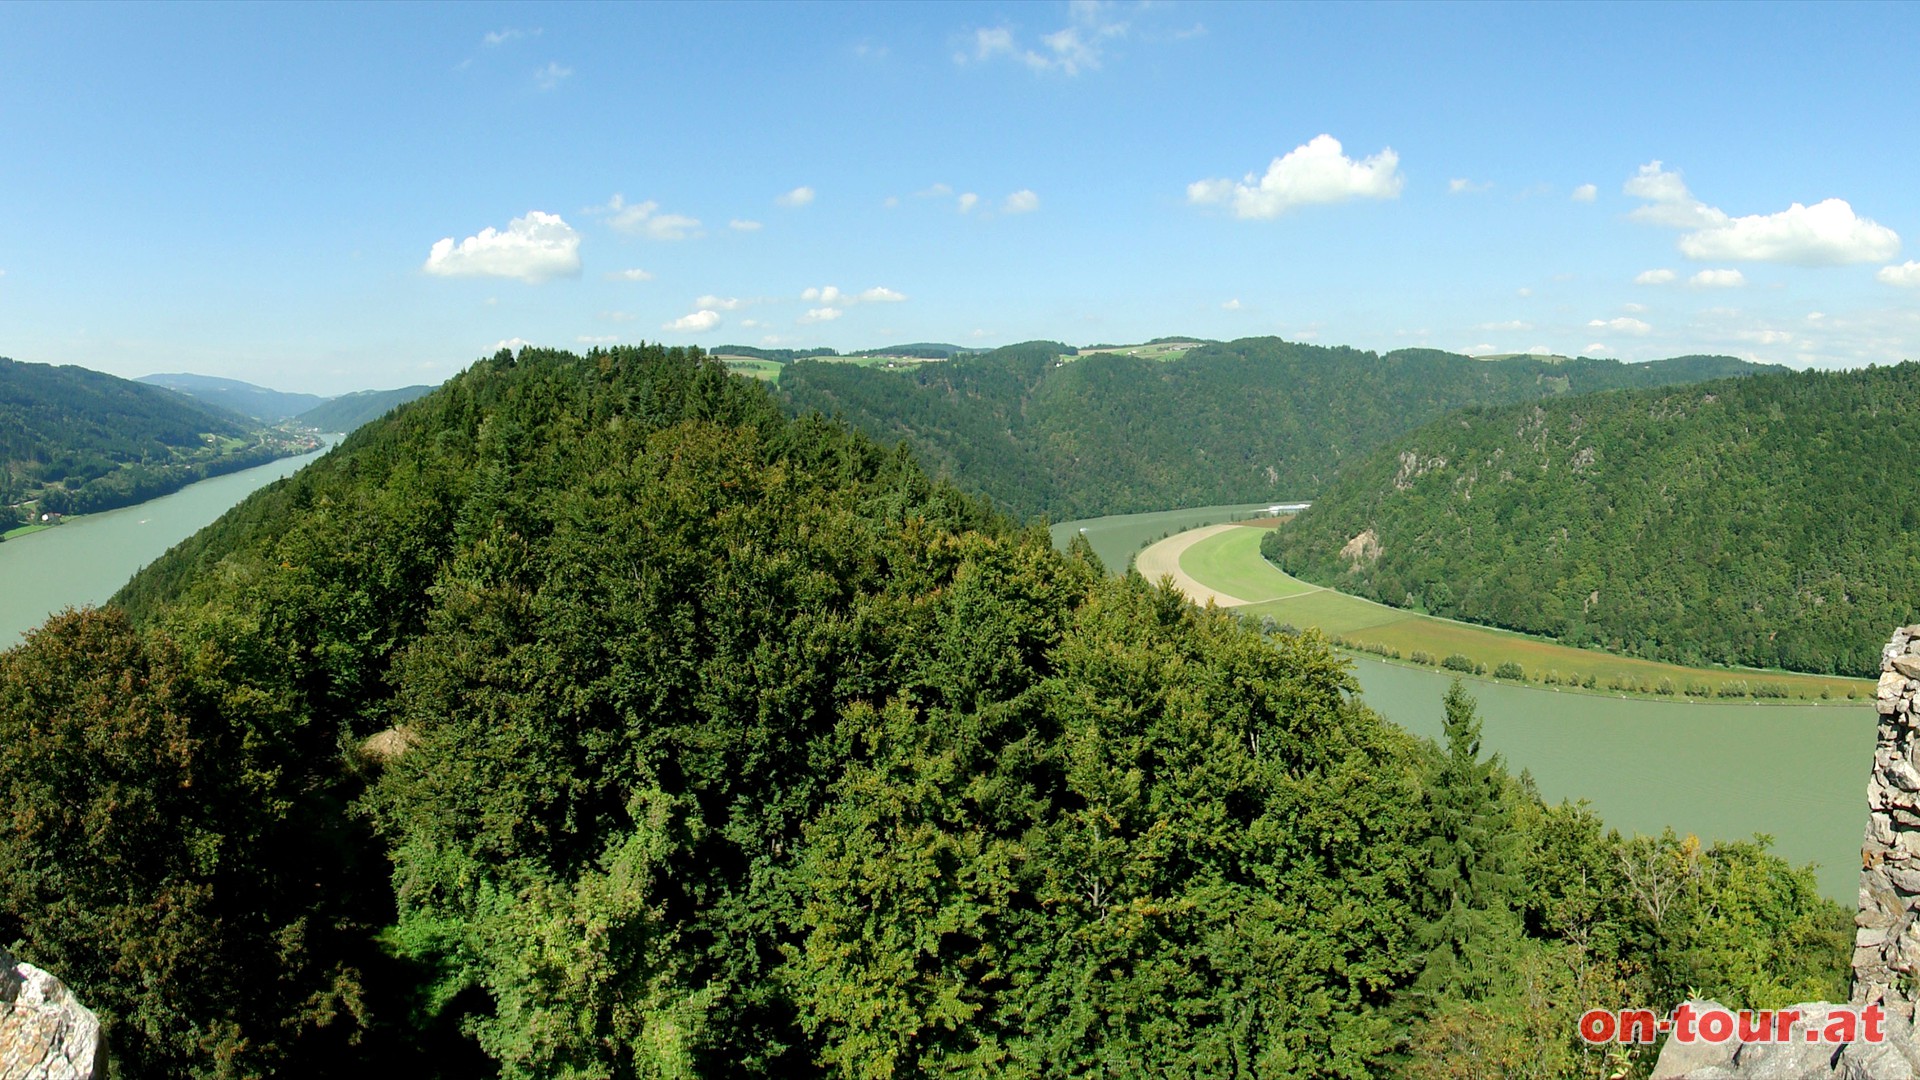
{"points": [[1766, 521], [1241, 421], [258, 402], [349, 411]]}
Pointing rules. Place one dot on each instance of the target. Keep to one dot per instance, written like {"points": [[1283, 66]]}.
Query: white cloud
{"points": [[720, 303], [820, 315], [535, 248], [1079, 46], [1514, 324], [1317, 172], [597, 339], [1633, 309], [826, 294], [643, 219], [743, 225], [966, 201], [514, 344], [833, 296], [495, 38], [1595, 349], [1021, 202], [1539, 350], [1907, 274], [552, 75], [937, 191], [1461, 186], [890, 201], [634, 274], [1828, 233], [1231, 305], [1623, 324], [1717, 279], [1654, 277], [880, 294], [1523, 291], [799, 196], [1765, 337], [694, 322], [1585, 193]]}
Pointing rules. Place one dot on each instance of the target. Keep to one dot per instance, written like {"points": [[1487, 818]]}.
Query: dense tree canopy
{"points": [[1762, 521], [1243, 421], [588, 718]]}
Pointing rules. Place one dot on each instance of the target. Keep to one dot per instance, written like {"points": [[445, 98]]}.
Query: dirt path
{"points": [[1162, 558]]}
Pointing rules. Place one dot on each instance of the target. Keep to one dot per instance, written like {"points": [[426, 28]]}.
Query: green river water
{"points": [[1797, 773], [86, 560]]}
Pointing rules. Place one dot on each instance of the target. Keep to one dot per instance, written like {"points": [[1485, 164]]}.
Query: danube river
{"points": [[86, 559]]}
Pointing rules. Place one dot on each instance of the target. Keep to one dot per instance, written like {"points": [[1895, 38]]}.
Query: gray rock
{"points": [[44, 1033]]}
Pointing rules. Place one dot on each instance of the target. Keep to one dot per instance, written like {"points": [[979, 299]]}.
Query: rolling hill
{"points": [[1242, 421], [246, 399], [1765, 521], [349, 411]]}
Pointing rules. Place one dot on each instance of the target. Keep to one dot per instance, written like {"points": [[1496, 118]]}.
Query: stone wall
{"points": [[44, 1033], [1886, 947]]}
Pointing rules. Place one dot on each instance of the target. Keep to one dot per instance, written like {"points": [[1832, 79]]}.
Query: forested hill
{"points": [[349, 411], [587, 717], [1243, 421], [75, 440], [1768, 521]]}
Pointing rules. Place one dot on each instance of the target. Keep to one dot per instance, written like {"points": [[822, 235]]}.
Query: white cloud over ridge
{"points": [[1828, 233], [694, 322], [1316, 172], [535, 248], [1907, 274], [1717, 279], [1623, 324]]}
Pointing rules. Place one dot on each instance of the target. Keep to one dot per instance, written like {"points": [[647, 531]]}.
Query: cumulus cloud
{"points": [[694, 322], [966, 201], [644, 219], [1654, 277], [1317, 172], [1021, 202], [820, 315], [535, 248], [1907, 274], [1596, 349], [1828, 233], [1512, 324], [634, 274], [720, 303], [546, 78], [1717, 279], [833, 296], [799, 196], [1462, 186], [496, 38], [512, 344], [743, 225], [1585, 193], [597, 339], [1623, 324], [1231, 305]]}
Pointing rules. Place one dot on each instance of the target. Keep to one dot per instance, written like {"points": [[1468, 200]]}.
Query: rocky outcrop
{"points": [[44, 1033], [1793, 1058]]}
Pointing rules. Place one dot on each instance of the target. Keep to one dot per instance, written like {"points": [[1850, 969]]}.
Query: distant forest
{"points": [[78, 441], [590, 718], [1255, 419], [1765, 521]]}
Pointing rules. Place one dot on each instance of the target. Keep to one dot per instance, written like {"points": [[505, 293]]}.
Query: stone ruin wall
{"points": [[1886, 947]]}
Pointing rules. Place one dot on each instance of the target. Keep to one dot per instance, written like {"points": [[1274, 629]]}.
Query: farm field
{"points": [[1117, 538], [1231, 563], [751, 366]]}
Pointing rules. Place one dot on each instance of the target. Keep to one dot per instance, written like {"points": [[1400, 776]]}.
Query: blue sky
{"points": [[325, 198]]}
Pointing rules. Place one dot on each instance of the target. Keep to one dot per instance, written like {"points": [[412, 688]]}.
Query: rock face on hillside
{"points": [[1886, 947], [44, 1033]]}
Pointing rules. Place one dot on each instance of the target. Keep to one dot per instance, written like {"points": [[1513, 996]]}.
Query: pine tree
{"points": [[1473, 934]]}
